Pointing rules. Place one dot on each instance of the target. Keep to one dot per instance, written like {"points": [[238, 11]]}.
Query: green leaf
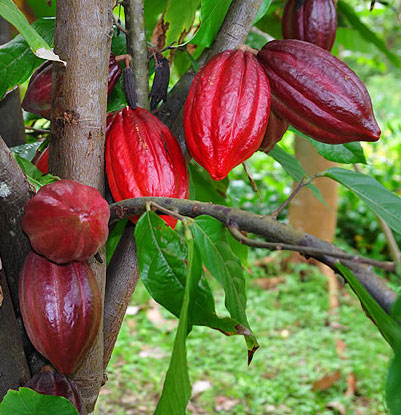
{"points": [[33, 174], [384, 203], [162, 256], [114, 238], [26, 151], [38, 45], [292, 166], [347, 11], [152, 11], [42, 8], [340, 153], [17, 62], [203, 188], [179, 18], [264, 7], [28, 402], [388, 327], [218, 258], [212, 16], [393, 385], [117, 100], [177, 388]]}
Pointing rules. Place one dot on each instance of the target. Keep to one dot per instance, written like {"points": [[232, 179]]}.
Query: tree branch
{"points": [[137, 48], [268, 228], [78, 119]]}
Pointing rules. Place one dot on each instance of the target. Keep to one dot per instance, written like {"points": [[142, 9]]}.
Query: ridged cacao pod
{"points": [[317, 93], [274, 132], [49, 383], [313, 21], [61, 309], [41, 160], [66, 221], [38, 94], [226, 111], [143, 158]]}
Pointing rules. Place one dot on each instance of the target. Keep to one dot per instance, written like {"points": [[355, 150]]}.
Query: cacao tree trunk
{"points": [[79, 103]]}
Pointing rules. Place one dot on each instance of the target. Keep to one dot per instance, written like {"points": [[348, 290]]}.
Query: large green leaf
{"points": [[42, 8], [212, 16], [38, 45], [264, 7], [341, 153], [152, 11], [17, 62], [162, 256], [393, 385], [177, 389], [388, 327], [114, 238], [292, 166], [219, 259], [179, 18], [386, 204], [28, 402], [348, 12]]}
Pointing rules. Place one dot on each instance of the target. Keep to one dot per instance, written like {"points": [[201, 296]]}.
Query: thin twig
{"points": [[251, 180], [37, 130], [119, 26], [156, 207], [308, 251]]}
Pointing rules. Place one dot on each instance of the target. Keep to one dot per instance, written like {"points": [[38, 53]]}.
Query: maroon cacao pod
{"points": [[61, 309], [143, 158], [226, 111], [38, 94], [274, 132], [50, 383], [317, 93], [66, 221], [313, 21]]}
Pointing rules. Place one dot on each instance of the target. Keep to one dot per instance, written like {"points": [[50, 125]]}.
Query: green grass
{"points": [[298, 347]]}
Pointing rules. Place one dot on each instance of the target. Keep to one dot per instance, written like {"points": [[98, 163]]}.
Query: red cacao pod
{"points": [[61, 309], [50, 383], [66, 221], [41, 160], [226, 111], [313, 21], [274, 132], [38, 94], [317, 93], [143, 158]]}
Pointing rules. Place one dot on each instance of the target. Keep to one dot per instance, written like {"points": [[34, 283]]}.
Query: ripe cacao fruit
{"points": [[66, 221], [226, 111], [313, 21], [143, 158], [61, 309], [41, 160], [38, 94], [274, 132], [50, 383], [317, 93]]}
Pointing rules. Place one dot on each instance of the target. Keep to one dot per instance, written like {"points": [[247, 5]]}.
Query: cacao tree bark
{"points": [[83, 35]]}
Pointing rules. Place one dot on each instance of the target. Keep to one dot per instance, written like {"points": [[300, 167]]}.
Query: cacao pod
{"points": [[226, 111], [61, 309], [41, 160], [143, 158], [50, 383], [38, 94], [313, 21], [66, 221], [274, 132], [317, 93]]}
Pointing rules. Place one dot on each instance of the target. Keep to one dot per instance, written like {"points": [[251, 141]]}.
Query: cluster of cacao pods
{"points": [[239, 103], [66, 222]]}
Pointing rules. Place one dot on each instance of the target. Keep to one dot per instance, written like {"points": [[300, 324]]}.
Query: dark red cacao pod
{"points": [[143, 158], [226, 111], [317, 93], [66, 221], [41, 160], [49, 383], [38, 94], [61, 309], [313, 21], [274, 132]]}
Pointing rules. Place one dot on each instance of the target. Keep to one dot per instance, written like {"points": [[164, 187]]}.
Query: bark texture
{"points": [[79, 102]]}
